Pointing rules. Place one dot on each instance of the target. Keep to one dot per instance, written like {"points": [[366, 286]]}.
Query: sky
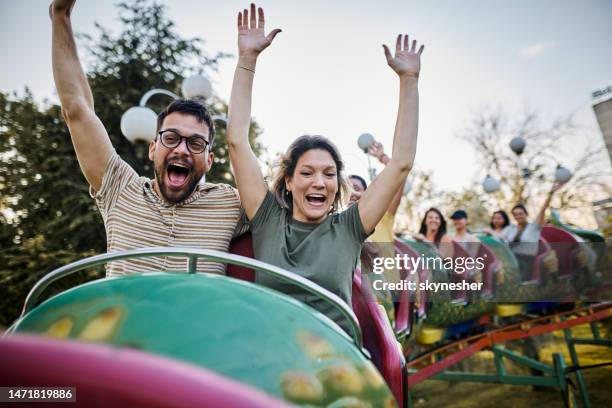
{"points": [[326, 73]]}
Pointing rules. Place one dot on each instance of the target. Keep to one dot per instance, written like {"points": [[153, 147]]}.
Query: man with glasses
{"points": [[174, 209]]}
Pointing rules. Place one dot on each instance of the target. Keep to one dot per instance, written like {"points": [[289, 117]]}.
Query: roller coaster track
{"points": [[439, 359]]}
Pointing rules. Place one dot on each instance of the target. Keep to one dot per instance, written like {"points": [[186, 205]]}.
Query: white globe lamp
{"points": [[562, 175], [364, 141], [196, 87], [139, 123], [490, 184], [518, 145]]}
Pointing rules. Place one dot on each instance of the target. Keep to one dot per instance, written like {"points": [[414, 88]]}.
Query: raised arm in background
{"points": [[541, 214], [251, 42], [377, 150], [407, 64], [89, 137]]}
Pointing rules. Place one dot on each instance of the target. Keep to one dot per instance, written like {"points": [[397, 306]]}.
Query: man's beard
{"points": [[171, 196]]}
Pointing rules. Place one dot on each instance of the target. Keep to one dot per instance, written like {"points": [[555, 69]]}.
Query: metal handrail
{"points": [[192, 255]]}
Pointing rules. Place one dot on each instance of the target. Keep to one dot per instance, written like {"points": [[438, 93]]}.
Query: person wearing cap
{"points": [[462, 236]]}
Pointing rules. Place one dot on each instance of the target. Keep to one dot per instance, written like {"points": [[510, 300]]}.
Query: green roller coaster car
{"points": [[237, 329]]}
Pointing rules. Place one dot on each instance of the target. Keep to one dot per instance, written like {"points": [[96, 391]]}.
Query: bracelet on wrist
{"points": [[248, 69], [409, 76]]}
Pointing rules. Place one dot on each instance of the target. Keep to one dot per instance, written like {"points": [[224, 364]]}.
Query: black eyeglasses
{"points": [[171, 139]]}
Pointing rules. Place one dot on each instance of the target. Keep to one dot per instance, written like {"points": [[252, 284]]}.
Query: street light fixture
{"points": [[195, 87], [490, 184], [518, 144], [365, 141], [140, 122], [562, 175]]}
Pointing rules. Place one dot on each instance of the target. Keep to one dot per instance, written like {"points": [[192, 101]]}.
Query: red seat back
{"points": [[538, 266], [566, 247], [407, 306], [378, 337], [491, 266], [242, 245], [460, 252]]}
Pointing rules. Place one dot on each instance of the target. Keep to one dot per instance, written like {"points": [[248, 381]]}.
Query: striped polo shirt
{"points": [[135, 217]]}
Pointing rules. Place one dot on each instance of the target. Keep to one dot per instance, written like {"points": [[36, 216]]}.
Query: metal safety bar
{"points": [[193, 254]]}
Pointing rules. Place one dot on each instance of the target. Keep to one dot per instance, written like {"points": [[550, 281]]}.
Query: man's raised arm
{"points": [[89, 137]]}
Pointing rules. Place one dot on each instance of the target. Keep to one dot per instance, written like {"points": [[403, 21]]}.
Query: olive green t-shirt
{"points": [[325, 253]]}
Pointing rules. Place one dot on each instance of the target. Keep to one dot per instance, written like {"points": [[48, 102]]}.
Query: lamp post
{"points": [[139, 123], [365, 141], [517, 145]]}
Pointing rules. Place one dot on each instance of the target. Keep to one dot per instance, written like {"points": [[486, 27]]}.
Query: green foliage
{"points": [[470, 200], [47, 218]]}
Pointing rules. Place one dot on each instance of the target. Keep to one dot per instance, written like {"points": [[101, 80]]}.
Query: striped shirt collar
{"points": [[199, 190]]}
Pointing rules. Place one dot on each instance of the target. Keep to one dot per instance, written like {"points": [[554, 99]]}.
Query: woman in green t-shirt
{"points": [[298, 226]]}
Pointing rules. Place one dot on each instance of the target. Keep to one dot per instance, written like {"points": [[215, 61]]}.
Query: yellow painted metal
{"points": [[505, 309], [430, 335]]}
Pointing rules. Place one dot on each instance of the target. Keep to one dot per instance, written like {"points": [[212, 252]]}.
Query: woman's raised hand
{"points": [[407, 60], [251, 36]]}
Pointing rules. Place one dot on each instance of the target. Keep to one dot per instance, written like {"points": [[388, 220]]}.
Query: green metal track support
{"points": [[552, 376], [571, 347], [555, 376], [550, 379]]}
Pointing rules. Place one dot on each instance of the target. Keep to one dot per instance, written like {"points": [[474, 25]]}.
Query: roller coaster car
{"points": [[448, 313], [126, 340], [492, 266], [378, 337], [544, 263], [411, 305], [587, 235], [486, 274], [569, 254], [595, 255]]}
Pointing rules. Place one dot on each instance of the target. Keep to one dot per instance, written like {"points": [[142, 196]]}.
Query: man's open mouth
{"points": [[178, 173]]}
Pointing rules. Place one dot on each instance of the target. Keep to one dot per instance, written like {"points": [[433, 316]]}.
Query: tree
{"points": [[424, 194], [527, 178], [420, 198], [47, 218], [470, 200]]}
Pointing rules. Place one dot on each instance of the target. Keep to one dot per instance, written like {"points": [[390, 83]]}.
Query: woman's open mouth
{"points": [[316, 200]]}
